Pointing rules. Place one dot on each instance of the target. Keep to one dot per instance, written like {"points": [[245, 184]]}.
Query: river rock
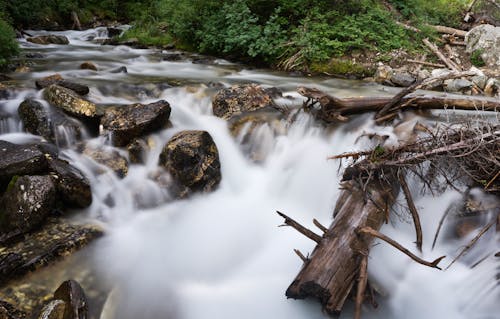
{"points": [[192, 158], [73, 188], [55, 238], [58, 79], [8, 311], [122, 69], [492, 87], [69, 101], [74, 297], [457, 85], [402, 78], [27, 203], [383, 74], [113, 32], [107, 157], [49, 39], [128, 122], [20, 160], [53, 310], [88, 66], [4, 78], [240, 98], [137, 151], [485, 39]]}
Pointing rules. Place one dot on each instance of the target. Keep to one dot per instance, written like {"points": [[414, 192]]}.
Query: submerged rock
{"points": [[88, 66], [58, 79], [128, 122], [19, 160], [27, 203], [54, 239], [69, 101], [49, 39], [74, 298], [73, 188], [107, 157], [8, 311], [122, 69], [240, 98], [192, 158], [485, 41], [53, 310], [136, 151]]}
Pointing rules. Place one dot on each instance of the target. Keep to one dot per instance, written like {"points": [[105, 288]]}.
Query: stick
{"points": [[472, 242], [372, 232], [436, 65], [439, 227], [301, 256], [413, 211], [301, 229], [440, 55], [362, 280], [448, 30], [321, 227], [408, 27]]}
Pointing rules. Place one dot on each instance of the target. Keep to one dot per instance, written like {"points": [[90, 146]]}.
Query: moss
{"points": [[342, 67], [476, 58], [12, 183]]}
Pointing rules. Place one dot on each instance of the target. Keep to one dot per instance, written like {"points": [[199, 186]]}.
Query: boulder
{"points": [[128, 122], [122, 69], [53, 310], [492, 87], [485, 39], [20, 160], [54, 239], [383, 74], [58, 79], [74, 297], [49, 39], [457, 85], [48, 123], [239, 99], [192, 159], [137, 151], [113, 32], [27, 203], [402, 78], [73, 188], [70, 102], [88, 66], [107, 157]]}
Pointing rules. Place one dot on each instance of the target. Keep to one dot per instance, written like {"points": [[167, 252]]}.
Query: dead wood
{"points": [[301, 229], [331, 271], [434, 65], [362, 281], [413, 210], [450, 64], [372, 232], [448, 30]]}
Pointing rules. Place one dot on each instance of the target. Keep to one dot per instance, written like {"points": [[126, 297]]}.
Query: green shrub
{"points": [[476, 58], [8, 43]]}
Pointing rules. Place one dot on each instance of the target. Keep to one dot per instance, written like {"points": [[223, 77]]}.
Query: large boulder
{"points": [[49, 39], [20, 160], [128, 122], [239, 99], [485, 39], [69, 101], [192, 159], [73, 188], [74, 297], [46, 122], [59, 80], [27, 203]]}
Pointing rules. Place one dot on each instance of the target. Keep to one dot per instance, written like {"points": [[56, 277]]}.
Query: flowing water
{"points": [[221, 255]]}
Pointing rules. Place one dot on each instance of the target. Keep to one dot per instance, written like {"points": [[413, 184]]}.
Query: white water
{"points": [[220, 255]]}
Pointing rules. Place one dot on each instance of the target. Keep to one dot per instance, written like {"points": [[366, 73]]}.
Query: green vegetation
{"points": [[476, 59], [8, 43]]}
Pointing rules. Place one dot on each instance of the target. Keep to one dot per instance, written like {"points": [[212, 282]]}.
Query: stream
{"points": [[221, 255]]}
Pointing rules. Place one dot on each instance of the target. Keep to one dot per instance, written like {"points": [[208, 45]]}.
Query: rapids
{"points": [[221, 255]]}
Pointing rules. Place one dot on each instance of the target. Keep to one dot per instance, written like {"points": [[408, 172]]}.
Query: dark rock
{"points": [[113, 32], [127, 122], [122, 69], [74, 297], [5, 92], [107, 157], [402, 78], [47, 122], [137, 151], [240, 98], [173, 57], [457, 85], [36, 249], [73, 188], [19, 160], [58, 79], [34, 55], [49, 39], [69, 101], [8, 311], [88, 66], [274, 92], [53, 310], [4, 78], [27, 203], [192, 158]]}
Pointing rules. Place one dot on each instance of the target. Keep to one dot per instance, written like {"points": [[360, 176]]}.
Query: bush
{"points": [[8, 43]]}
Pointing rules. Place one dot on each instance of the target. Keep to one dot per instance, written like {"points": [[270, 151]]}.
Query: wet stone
{"points": [[53, 310], [73, 188], [8, 311], [58, 79], [107, 157], [69, 101], [88, 66], [239, 99], [19, 160], [128, 122], [137, 151], [192, 159], [122, 69], [26, 203], [74, 297], [49, 39]]}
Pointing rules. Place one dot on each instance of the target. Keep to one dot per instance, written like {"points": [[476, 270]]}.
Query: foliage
{"points": [[8, 43], [476, 58], [445, 12]]}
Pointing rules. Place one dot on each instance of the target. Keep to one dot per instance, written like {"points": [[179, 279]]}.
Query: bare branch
{"points": [[413, 210], [301, 229], [362, 281]]}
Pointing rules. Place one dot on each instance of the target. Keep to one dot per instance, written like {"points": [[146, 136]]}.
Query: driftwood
{"points": [[330, 272], [450, 64], [448, 30], [434, 65]]}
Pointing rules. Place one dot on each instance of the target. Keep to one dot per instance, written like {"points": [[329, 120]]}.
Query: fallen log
{"points": [[448, 30], [450, 64], [330, 272], [332, 107]]}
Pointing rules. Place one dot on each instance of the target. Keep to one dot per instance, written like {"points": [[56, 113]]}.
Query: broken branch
{"points": [[301, 229], [413, 211], [362, 281]]}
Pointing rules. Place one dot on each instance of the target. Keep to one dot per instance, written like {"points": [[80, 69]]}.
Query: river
{"points": [[221, 255]]}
